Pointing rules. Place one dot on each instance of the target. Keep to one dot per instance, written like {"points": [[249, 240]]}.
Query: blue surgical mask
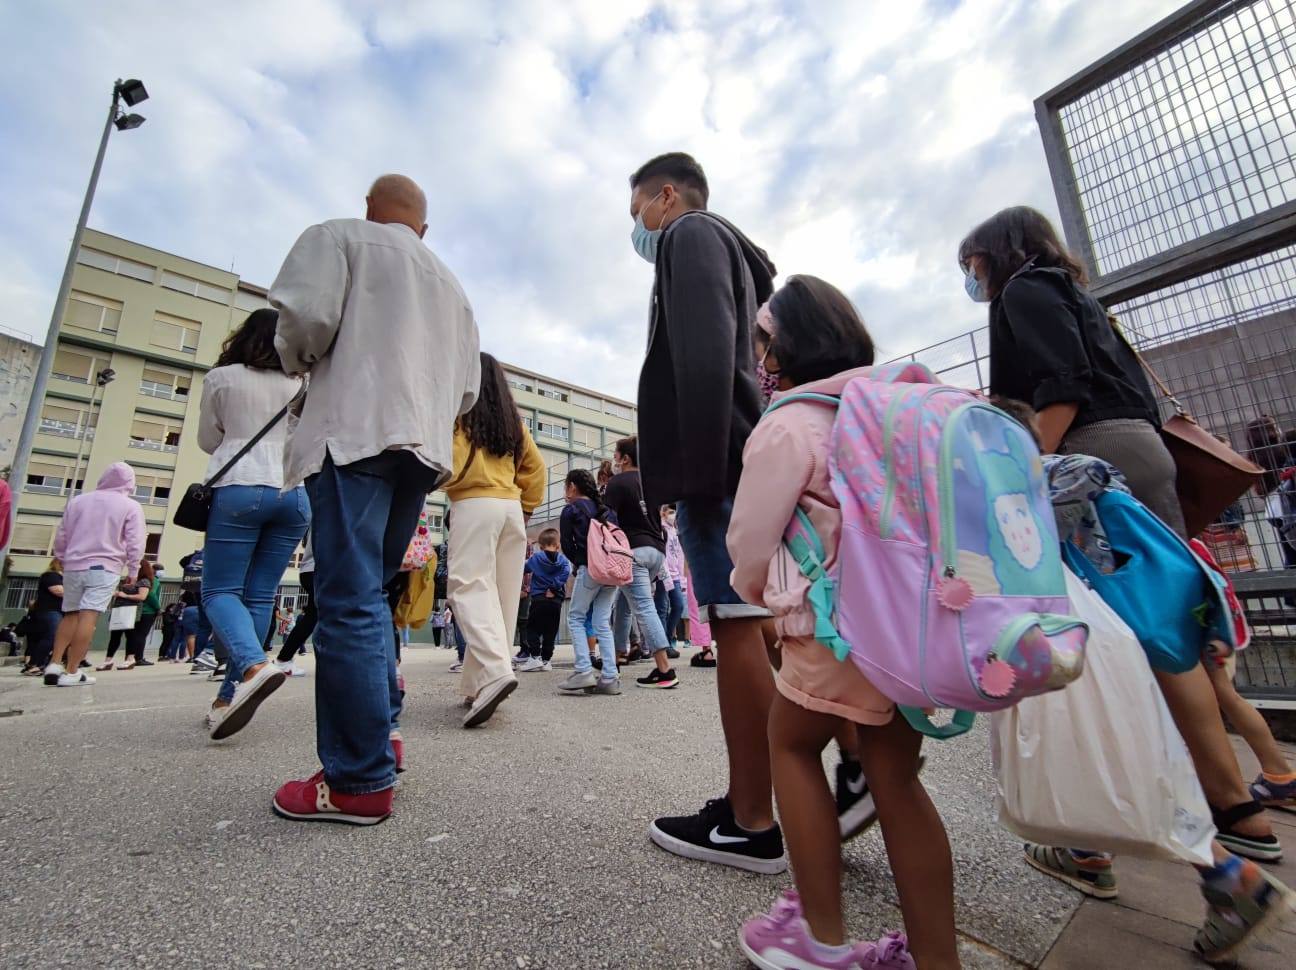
{"points": [[645, 240], [974, 288]]}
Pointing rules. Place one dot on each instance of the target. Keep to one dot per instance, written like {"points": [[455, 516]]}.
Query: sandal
{"points": [[1092, 875], [1260, 848], [1233, 919], [129, 665], [703, 658], [106, 665]]}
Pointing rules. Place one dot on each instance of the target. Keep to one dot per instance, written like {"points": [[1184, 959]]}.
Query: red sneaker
{"points": [[312, 800]]}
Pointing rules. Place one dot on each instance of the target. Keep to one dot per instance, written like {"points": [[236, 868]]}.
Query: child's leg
{"points": [[915, 839], [1248, 722], [797, 738]]}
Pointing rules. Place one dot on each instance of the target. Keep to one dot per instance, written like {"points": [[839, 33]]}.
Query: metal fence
{"points": [[1173, 161]]}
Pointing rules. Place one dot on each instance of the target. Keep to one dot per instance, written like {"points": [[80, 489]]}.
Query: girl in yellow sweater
{"points": [[498, 481]]}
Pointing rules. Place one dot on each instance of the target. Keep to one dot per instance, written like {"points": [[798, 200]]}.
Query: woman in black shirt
{"points": [[46, 614], [1053, 346]]}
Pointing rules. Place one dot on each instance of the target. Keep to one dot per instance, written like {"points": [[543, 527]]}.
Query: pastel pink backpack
{"points": [[949, 588], [607, 554]]}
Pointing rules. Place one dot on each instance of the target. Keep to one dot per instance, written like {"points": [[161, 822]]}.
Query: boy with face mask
{"points": [[698, 402], [548, 572]]}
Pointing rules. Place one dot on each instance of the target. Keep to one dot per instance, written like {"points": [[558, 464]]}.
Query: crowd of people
{"points": [[318, 432]]}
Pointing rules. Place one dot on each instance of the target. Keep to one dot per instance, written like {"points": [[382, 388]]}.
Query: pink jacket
{"points": [[785, 464], [104, 527]]}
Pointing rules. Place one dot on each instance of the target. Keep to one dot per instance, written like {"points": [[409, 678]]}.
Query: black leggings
{"points": [[135, 637], [542, 627], [305, 623]]}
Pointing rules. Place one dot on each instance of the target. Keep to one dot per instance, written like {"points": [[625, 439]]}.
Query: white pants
{"points": [[487, 552]]}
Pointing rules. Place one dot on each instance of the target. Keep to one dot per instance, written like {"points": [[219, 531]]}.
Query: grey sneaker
{"points": [[610, 687], [579, 681]]}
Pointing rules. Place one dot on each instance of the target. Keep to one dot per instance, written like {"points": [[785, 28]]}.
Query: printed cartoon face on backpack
{"points": [[1017, 528]]}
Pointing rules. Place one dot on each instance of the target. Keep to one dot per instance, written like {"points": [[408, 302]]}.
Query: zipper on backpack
{"points": [[888, 438], [949, 540]]}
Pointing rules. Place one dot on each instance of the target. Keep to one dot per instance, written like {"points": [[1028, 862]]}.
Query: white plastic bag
{"points": [[123, 618], [1100, 765]]}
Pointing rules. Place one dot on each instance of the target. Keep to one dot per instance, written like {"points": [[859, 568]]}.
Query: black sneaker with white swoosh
{"points": [[712, 835]]}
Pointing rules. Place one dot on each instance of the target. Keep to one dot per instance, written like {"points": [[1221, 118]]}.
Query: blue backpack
{"points": [[1172, 601]]}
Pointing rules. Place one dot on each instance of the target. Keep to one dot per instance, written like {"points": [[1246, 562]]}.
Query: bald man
{"points": [[388, 338]]}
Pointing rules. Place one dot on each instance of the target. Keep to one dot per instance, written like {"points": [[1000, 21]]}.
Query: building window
{"points": [[519, 383], [116, 264], [170, 385], [69, 365], [96, 313], [152, 487], [152, 545], [33, 538], [551, 429], [175, 333], [551, 392], [20, 592], [587, 401], [187, 284], [249, 301], [617, 410], [529, 422], [586, 436], [50, 477], [68, 419], [154, 433]]}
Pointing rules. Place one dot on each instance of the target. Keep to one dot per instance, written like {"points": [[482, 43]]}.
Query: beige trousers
{"points": [[487, 551]]}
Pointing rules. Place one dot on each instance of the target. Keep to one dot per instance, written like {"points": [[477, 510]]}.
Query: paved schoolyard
{"points": [[131, 840]]}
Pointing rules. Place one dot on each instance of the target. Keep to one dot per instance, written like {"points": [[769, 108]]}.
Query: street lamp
{"points": [[132, 92], [102, 379]]}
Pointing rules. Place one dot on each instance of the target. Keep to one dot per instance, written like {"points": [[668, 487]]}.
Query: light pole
{"points": [[105, 377], [132, 92]]}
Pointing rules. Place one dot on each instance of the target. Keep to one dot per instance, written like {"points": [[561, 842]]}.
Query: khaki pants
{"points": [[487, 552]]}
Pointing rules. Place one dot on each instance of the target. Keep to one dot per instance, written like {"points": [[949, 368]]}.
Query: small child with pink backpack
{"points": [[901, 533]]}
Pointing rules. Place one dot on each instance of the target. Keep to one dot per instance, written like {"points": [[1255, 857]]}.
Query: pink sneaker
{"points": [[781, 940]]}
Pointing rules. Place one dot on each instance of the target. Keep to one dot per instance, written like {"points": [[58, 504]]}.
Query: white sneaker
{"points": [[290, 669], [456, 667], [52, 674], [545, 666], [532, 664], [577, 681], [75, 680], [213, 717], [248, 696]]}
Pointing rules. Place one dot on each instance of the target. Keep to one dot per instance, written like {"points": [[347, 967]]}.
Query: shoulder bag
{"points": [[1211, 475], [195, 507]]}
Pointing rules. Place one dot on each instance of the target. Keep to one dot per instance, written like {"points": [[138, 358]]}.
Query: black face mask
{"points": [[552, 554]]}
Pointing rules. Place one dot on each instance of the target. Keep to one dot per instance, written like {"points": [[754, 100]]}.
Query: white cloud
{"points": [[855, 140]]}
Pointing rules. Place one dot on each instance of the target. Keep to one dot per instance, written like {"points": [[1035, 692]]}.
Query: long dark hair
{"points": [[584, 483], [1012, 236], [817, 331], [252, 344], [1267, 447], [493, 424]]}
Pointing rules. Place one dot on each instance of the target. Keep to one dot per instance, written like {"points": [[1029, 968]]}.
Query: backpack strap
{"points": [[828, 399], [918, 720], [808, 551]]}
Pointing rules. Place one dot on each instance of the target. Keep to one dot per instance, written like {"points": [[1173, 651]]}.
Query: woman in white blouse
{"points": [[253, 528]]}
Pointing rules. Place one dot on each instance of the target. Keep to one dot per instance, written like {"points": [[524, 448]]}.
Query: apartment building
{"points": [[157, 321]]}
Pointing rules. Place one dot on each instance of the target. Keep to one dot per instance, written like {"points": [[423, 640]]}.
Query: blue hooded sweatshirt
{"points": [[549, 574]]}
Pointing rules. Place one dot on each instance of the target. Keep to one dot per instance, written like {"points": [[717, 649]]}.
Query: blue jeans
{"points": [[365, 514], [461, 644], [703, 524], [675, 599], [251, 535], [639, 597], [593, 602]]}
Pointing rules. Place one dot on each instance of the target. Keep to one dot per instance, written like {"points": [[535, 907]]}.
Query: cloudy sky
{"points": [[854, 139]]}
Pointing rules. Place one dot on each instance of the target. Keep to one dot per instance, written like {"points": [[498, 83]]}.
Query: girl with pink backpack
{"points": [[811, 338]]}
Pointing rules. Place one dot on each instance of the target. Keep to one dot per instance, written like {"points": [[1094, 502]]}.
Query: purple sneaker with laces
{"points": [[781, 940]]}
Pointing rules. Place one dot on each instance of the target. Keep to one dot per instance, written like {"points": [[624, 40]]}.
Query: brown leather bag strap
{"points": [[1156, 378], [472, 453]]}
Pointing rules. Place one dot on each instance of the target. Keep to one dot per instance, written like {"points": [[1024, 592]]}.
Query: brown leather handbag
{"points": [[1211, 475]]}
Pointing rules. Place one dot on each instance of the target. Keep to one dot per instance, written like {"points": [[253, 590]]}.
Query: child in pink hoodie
{"points": [[811, 338], [101, 536]]}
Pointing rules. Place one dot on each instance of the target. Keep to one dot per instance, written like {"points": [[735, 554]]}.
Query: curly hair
{"points": [[494, 424], [253, 343]]}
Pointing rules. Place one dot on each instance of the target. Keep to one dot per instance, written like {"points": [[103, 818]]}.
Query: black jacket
{"points": [[698, 394], [573, 527], [1051, 343]]}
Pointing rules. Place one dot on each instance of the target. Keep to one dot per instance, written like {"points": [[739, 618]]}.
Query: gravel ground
{"points": [[131, 840]]}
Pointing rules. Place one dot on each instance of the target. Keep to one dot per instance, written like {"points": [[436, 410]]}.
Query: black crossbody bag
{"points": [[195, 508]]}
